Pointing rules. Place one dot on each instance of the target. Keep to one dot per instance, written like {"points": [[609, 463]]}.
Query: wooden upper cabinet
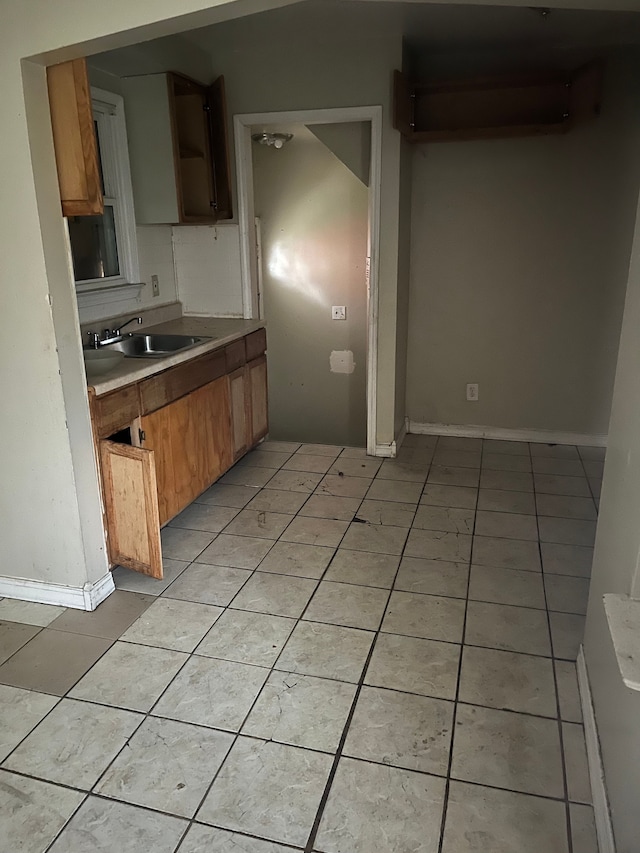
{"points": [[178, 149], [74, 139], [496, 107]]}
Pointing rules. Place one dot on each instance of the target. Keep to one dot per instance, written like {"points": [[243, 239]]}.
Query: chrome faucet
{"points": [[118, 331], [109, 335]]}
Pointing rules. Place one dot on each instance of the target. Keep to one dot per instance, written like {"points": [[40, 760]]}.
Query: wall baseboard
{"points": [[539, 436], [604, 829], [86, 597], [390, 451]]}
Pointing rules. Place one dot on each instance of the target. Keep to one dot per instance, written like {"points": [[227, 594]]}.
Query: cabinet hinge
{"points": [[141, 435], [206, 108]]}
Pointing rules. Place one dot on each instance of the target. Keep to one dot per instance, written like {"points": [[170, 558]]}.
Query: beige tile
{"points": [[375, 537], [567, 633], [136, 582], [438, 545], [567, 594], [565, 506], [457, 458], [463, 497], [278, 595], [231, 496], [414, 665], [239, 552], [172, 624], [360, 567], [387, 513], [259, 523], [311, 650], [594, 468], [506, 553], [315, 531], [34, 812], [346, 604], [448, 519], [130, 677], [398, 491], [453, 476], [111, 618], [331, 450], [408, 472], [75, 744], [370, 802], [505, 462], [428, 616], [354, 453], [206, 839], [294, 481], [324, 506], [507, 680], [597, 453], [167, 766], [264, 459], [207, 517], [514, 448], [572, 560], [118, 826], [277, 500], [501, 500], [279, 446], [564, 467], [568, 693], [552, 484], [435, 577], [595, 485], [508, 481], [215, 585], [583, 829], [14, 636], [239, 476], [554, 451], [52, 661], [454, 442], [301, 710], [507, 750], [212, 692], [507, 586], [480, 819], [419, 441], [20, 712], [291, 558], [515, 629], [362, 467], [343, 487], [247, 637], [567, 531], [577, 768], [506, 525], [268, 789], [309, 463], [28, 612], [179, 544]]}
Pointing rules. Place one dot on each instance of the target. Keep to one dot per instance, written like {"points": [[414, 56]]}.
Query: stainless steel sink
{"points": [[152, 346]]}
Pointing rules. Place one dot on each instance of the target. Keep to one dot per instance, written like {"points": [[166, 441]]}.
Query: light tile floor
{"points": [[346, 655]]}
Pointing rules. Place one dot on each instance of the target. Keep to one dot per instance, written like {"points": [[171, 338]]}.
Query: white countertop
{"points": [[220, 330]]}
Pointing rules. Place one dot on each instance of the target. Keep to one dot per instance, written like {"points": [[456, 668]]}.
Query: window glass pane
{"points": [[93, 245], [97, 132]]}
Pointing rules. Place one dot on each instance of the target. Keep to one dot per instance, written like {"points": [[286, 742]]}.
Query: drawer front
{"points": [[235, 355], [115, 410], [160, 390], [256, 344]]}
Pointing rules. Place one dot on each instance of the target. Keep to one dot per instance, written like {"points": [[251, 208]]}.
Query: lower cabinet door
{"points": [[131, 507], [240, 411], [257, 377]]}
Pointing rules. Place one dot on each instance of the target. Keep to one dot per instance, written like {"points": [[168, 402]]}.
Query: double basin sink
{"points": [[150, 345]]}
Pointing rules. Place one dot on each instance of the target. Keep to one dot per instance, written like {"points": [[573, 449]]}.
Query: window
{"points": [[103, 248]]}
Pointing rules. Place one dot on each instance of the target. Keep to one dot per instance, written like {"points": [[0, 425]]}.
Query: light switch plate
{"points": [[338, 312]]}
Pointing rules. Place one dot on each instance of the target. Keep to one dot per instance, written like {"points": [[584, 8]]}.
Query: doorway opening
{"points": [[308, 211]]}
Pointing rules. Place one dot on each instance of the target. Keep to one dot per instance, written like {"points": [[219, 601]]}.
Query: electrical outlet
{"points": [[338, 312], [155, 287], [472, 392]]}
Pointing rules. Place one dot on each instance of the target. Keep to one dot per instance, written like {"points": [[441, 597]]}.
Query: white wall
{"points": [[518, 271], [207, 262]]}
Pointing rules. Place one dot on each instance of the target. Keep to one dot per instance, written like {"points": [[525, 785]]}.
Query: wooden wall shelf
{"points": [[496, 107]]}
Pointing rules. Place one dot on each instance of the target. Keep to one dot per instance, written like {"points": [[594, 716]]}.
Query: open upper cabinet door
{"points": [[220, 149], [74, 139], [131, 507], [402, 104]]}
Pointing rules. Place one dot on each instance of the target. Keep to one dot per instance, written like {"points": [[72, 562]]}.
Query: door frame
{"points": [[248, 266]]}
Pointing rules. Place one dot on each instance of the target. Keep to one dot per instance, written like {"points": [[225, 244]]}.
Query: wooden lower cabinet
{"points": [[257, 391], [192, 441], [240, 414]]}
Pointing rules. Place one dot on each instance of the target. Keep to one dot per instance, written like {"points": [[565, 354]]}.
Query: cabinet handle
{"points": [[141, 435]]}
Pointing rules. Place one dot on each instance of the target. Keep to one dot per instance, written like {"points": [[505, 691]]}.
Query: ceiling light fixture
{"points": [[277, 140]]}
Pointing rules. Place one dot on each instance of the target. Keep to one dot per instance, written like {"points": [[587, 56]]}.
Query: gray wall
{"points": [[519, 254], [314, 218]]}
